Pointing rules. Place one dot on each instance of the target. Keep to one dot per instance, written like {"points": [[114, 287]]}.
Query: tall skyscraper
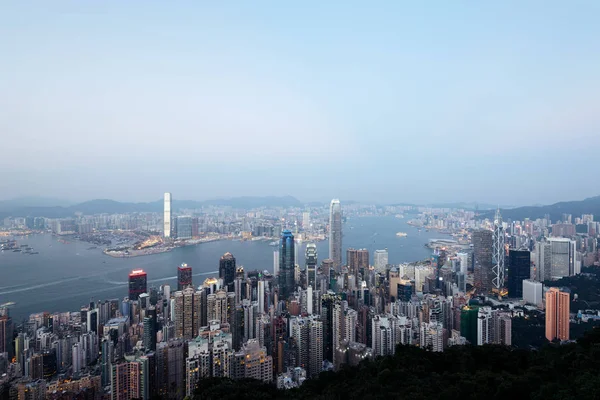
{"points": [[335, 233], [498, 267], [287, 264], [184, 276], [137, 283], [167, 216], [532, 292], [557, 314], [311, 264], [563, 261], [482, 253], [380, 260], [6, 334], [125, 381], [519, 266], [183, 227], [227, 270]]}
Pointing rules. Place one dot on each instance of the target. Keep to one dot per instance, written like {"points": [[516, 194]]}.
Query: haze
{"points": [[389, 101]]}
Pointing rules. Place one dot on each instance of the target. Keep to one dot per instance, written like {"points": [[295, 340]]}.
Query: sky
{"points": [[384, 101]]}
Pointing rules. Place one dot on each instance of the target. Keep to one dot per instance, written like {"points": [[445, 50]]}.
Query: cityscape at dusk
{"points": [[321, 200]]}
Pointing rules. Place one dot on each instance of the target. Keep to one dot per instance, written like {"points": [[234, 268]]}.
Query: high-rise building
{"points": [[167, 216], [468, 323], [227, 270], [498, 255], [6, 334], [125, 381], [311, 264], [306, 220], [380, 260], [482, 253], [563, 261], [357, 260], [519, 269], [432, 336], [557, 314], [276, 263], [184, 276], [183, 227], [188, 311], [287, 264], [315, 339], [335, 233], [137, 283], [252, 362], [532, 292], [384, 335]]}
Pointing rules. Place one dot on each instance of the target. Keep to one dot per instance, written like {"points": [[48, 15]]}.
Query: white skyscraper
{"points": [[276, 263], [380, 260], [306, 220], [532, 292], [335, 233], [167, 216]]}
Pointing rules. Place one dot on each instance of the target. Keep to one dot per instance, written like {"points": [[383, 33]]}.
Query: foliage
{"points": [[466, 372]]}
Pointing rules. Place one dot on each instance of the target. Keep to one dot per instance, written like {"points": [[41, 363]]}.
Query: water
{"points": [[63, 277]]}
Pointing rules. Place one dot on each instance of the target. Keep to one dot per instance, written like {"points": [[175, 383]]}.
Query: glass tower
{"points": [[287, 264]]}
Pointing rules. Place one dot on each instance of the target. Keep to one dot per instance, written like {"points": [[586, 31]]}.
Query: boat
{"points": [[273, 244], [401, 234], [16, 250]]}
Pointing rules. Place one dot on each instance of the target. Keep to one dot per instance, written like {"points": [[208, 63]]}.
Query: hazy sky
{"points": [[490, 101]]}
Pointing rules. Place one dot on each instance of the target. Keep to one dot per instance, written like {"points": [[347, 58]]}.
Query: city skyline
{"points": [[485, 92]]}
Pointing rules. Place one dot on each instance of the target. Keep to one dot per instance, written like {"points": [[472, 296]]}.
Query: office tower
{"points": [[188, 309], [287, 265], [482, 253], [464, 262], [306, 220], [137, 283], [125, 381], [344, 326], [543, 251], [432, 336], [250, 313], [183, 227], [335, 233], [184, 276], [563, 258], [92, 320], [167, 216], [6, 334], [532, 292], [170, 363], [557, 314], [149, 338], [380, 260], [260, 294], [468, 323], [227, 270], [311, 264], [519, 269], [276, 263], [357, 260], [498, 267]]}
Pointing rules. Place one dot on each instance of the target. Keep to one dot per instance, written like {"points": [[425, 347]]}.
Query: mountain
{"points": [[576, 208], [32, 201], [105, 206]]}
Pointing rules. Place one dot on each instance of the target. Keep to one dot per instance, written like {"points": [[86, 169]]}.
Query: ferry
{"points": [[274, 243], [401, 234]]}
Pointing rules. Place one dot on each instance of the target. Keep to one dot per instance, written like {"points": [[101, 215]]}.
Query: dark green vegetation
{"points": [[569, 371]]}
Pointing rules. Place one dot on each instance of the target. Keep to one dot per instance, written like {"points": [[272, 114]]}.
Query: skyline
{"points": [[454, 103]]}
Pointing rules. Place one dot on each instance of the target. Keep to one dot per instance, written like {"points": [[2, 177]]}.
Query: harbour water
{"points": [[64, 276]]}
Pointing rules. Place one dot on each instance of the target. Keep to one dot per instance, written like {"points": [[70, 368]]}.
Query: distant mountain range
{"points": [[576, 208], [100, 206]]}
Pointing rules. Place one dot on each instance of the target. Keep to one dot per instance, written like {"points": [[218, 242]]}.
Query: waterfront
{"points": [[64, 276]]}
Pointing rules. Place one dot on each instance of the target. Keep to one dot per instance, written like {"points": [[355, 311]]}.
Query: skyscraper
{"points": [[125, 381], [482, 253], [184, 276], [557, 314], [188, 309], [519, 265], [287, 265], [335, 233], [137, 283], [311, 264], [380, 260], [498, 267], [183, 227], [357, 260], [563, 261], [167, 216], [227, 270]]}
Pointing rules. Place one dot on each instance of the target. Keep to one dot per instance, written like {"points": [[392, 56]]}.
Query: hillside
{"points": [[101, 206], [576, 208], [569, 371]]}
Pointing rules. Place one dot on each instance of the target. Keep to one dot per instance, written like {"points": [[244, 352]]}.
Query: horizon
{"points": [[424, 104]]}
